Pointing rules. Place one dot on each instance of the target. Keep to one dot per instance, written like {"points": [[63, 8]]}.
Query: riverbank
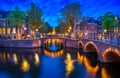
{"points": [[20, 43]]}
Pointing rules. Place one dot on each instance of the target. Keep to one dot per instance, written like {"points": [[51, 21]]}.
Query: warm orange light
{"points": [[36, 30], [70, 28], [8, 55], [53, 54], [15, 58], [80, 58], [4, 56], [53, 31], [104, 73], [25, 66], [89, 68], [69, 64]]}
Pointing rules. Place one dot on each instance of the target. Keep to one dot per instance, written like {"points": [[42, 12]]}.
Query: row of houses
{"points": [[88, 27], [6, 29]]}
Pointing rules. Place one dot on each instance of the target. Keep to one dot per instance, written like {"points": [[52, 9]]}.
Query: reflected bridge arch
{"points": [[53, 43]]}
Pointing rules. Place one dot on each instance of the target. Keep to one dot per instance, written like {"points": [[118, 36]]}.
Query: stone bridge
{"points": [[106, 52]]}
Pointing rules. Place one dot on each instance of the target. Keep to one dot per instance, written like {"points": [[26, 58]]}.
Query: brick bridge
{"points": [[106, 52]]}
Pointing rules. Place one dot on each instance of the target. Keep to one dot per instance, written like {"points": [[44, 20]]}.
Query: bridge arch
{"points": [[53, 44], [111, 55], [80, 45], [91, 47]]}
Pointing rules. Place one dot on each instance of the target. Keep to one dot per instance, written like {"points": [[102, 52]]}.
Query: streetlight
{"points": [[36, 30], [25, 28]]}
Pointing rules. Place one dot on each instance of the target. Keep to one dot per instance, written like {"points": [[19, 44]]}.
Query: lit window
{"points": [[14, 30], [8, 30], [3, 30], [0, 30]]}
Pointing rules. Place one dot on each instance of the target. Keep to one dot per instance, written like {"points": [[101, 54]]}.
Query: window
{"points": [[0, 30], [8, 31]]}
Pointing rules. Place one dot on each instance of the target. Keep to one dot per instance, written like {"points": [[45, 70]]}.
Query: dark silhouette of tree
{"points": [[62, 26], [35, 20], [70, 13], [46, 28]]}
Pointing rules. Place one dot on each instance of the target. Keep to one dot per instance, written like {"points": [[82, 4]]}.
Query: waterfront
{"points": [[65, 63]]}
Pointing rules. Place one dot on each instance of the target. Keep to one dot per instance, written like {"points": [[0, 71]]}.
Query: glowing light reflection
{"points": [[69, 64], [80, 58], [90, 69], [104, 73], [15, 59], [37, 60], [53, 54], [25, 66]]}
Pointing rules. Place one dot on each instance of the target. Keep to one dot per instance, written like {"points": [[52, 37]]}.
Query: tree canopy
{"points": [[16, 17], [70, 13], [108, 21], [35, 17], [46, 28]]}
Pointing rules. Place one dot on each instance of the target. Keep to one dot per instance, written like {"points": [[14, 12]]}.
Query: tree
{"points": [[62, 28], [70, 13], [46, 28], [108, 22], [35, 17], [16, 17]]}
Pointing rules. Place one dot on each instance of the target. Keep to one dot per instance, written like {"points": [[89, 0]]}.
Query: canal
{"points": [[52, 62]]}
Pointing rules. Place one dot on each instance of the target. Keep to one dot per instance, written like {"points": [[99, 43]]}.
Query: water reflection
{"points": [[53, 45], [53, 54], [52, 67], [80, 57], [25, 66], [91, 69], [65, 63], [15, 58], [104, 73], [69, 64], [37, 59]]}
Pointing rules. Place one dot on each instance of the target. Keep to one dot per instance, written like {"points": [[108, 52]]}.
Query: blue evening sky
{"points": [[51, 8]]}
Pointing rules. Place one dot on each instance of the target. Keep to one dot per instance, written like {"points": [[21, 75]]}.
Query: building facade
{"points": [[6, 29], [86, 28]]}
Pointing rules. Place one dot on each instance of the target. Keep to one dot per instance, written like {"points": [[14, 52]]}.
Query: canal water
{"points": [[53, 63]]}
